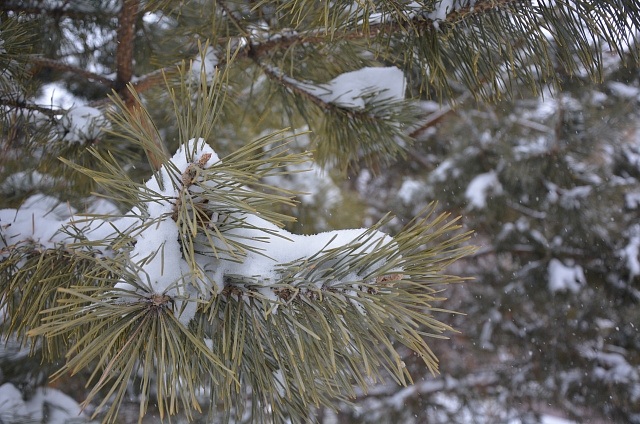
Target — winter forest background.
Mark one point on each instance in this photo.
(538, 152)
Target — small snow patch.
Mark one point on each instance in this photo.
(623, 90)
(481, 187)
(349, 88)
(81, 124)
(565, 278)
(409, 190)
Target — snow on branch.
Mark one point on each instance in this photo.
(203, 255)
(350, 91)
(196, 231)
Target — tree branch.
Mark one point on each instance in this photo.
(257, 50)
(231, 16)
(331, 107)
(55, 12)
(417, 23)
(54, 64)
(30, 106)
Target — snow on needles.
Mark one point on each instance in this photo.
(159, 260)
(81, 124)
(164, 268)
(46, 405)
(158, 252)
(205, 63)
(351, 88)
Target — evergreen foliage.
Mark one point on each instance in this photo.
(142, 235)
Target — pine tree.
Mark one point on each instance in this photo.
(143, 242)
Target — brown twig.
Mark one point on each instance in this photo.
(30, 106)
(54, 64)
(153, 78)
(54, 11)
(231, 16)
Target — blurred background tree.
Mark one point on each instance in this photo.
(521, 116)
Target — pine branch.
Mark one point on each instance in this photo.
(131, 305)
(124, 73)
(153, 79)
(316, 36)
(330, 107)
(55, 12)
(30, 106)
(435, 117)
(417, 24)
(54, 64)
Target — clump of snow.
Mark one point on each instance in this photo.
(481, 187)
(624, 90)
(12, 406)
(351, 88)
(268, 247)
(279, 246)
(445, 170)
(571, 198)
(409, 190)
(82, 125)
(206, 62)
(632, 200)
(598, 97)
(55, 95)
(631, 251)
(440, 12)
(23, 181)
(60, 408)
(612, 367)
(564, 278)
(38, 219)
(158, 253)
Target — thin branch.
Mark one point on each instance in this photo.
(54, 12)
(331, 107)
(54, 64)
(124, 69)
(231, 16)
(431, 120)
(30, 106)
(526, 211)
(153, 78)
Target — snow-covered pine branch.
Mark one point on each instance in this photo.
(199, 253)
